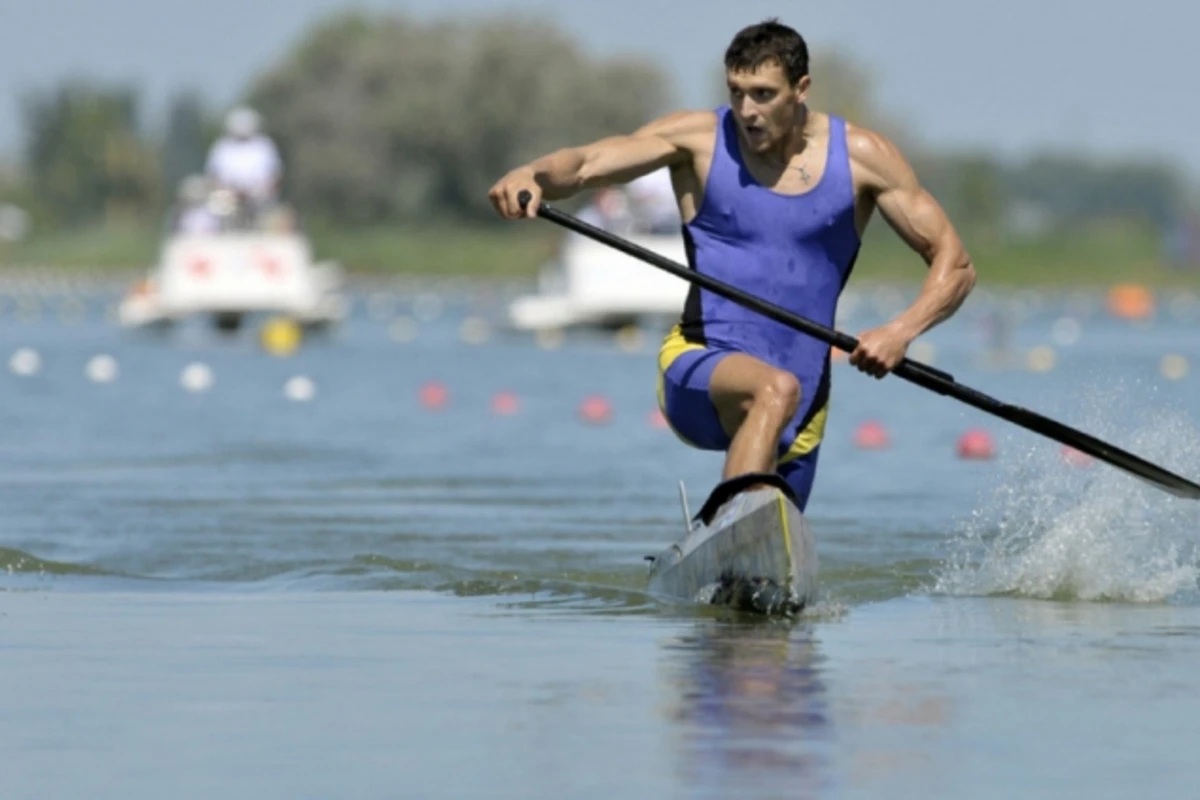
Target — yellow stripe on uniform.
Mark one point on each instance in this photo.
(809, 438)
(674, 345)
(781, 503)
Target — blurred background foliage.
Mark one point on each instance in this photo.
(392, 129)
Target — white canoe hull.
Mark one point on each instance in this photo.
(756, 554)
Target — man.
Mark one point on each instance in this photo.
(245, 160)
(774, 198)
(193, 215)
(653, 198)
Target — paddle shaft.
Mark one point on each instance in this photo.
(913, 371)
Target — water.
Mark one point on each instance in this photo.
(230, 592)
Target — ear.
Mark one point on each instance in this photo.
(802, 88)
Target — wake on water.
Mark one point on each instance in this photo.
(1050, 530)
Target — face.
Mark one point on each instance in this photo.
(765, 104)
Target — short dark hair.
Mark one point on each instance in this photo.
(766, 42)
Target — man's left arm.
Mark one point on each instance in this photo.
(920, 221)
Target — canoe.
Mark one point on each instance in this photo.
(750, 548)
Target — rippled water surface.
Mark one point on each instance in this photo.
(230, 591)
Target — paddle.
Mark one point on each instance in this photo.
(920, 374)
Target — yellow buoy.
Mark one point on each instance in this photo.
(925, 352)
(549, 338)
(1041, 359)
(280, 336)
(630, 339)
(1173, 367)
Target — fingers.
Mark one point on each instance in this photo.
(505, 197)
(535, 199)
(869, 363)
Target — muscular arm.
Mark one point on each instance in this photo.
(615, 159)
(919, 220)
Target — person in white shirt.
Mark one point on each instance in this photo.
(246, 160)
(193, 215)
(654, 204)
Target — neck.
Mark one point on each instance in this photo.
(796, 141)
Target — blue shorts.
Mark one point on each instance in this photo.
(685, 372)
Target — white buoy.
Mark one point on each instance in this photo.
(403, 329)
(299, 389)
(102, 369)
(475, 330)
(381, 306)
(428, 306)
(25, 362)
(1184, 306)
(1066, 331)
(196, 377)
(29, 309)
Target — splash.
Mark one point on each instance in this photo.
(1055, 531)
(17, 562)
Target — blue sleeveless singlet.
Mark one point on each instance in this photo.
(795, 251)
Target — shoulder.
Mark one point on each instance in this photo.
(876, 156)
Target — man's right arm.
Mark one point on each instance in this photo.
(615, 159)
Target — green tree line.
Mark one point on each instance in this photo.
(383, 119)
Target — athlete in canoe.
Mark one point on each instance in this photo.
(774, 198)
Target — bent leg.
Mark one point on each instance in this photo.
(683, 398)
(754, 403)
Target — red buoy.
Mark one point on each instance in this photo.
(1075, 457)
(595, 410)
(434, 395)
(505, 403)
(976, 444)
(871, 436)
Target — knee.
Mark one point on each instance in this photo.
(781, 392)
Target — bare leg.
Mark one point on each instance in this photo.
(754, 402)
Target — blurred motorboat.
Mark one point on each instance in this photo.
(590, 284)
(593, 285)
(231, 267)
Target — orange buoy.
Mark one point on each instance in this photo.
(657, 420)
(1130, 301)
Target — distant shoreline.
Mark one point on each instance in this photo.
(514, 255)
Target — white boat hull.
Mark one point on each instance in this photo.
(756, 553)
(592, 284)
(234, 274)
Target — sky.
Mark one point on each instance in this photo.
(1104, 77)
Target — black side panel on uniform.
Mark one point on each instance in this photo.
(692, 324)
